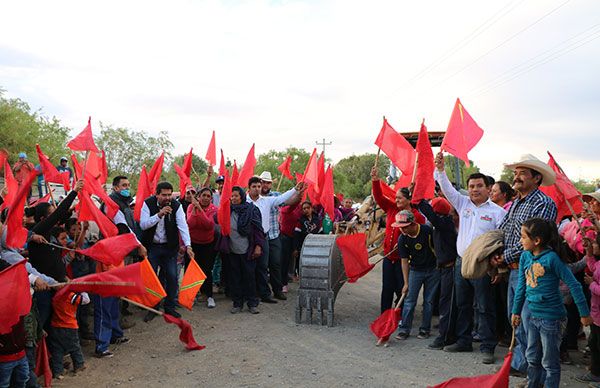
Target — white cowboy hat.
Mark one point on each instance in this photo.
(266, 176)
(530, 161)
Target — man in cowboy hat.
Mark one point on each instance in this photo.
(530, 174)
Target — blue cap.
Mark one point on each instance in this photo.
(23, 155)
(220, 178)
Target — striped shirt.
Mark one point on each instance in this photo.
(535, 205)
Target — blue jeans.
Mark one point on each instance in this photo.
(106, 321)
(480, 291)
(165, 258)
(430, 281)
(392, 282)
(543, 351)
(519, 361)
(18, 370)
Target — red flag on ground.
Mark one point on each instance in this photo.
(11, 184)
(462, 134)
(85, 140)
(153, 289)
(51, 174)
(562, 191)
(386, 323)
(184, 180)
(16, 234)
(355, 256)
(186, 335)
(311, 172)
(424, 183)
(235, 175)
(497, 380)
(211, 152)
(42, 362)
(193, 278)
(247, 169)
(16, 298)
(155, 171)
(89, 212)
(143, 192)
(327, 194)
(284, 168)
(224, 211)
(222, 165)
(396, 147)
(111, 250)
(119, 281)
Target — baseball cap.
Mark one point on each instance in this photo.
(404, 218)
(220, 178)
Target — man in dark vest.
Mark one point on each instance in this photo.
(163, 222)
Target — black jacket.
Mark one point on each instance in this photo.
(170, 224)
(444, 234)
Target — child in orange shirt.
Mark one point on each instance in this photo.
(64, 338)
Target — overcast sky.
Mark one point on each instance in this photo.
(289, 73)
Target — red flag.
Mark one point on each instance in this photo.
(562, 191)
(42, 362)
(155, 171)
(92, 186)
(284, 168)
(16, 298)
(184, 180)
(186, 335)
(311, 173)
(247, 169)
(119, 281)
(235, 175)
(327, 194)
(45, 199)
(387, 191)
(93, 165)
(321, 168)
(103, 169)
(51, 174)
(186, 166)
(143, 192)
(222, 167)
(76, 166)
(396, 147)
(85, 140)
(424, 183)
(211, 153)
(3, 157)
(16, 234)
(11, 184)
(224, 211)
(354, 253)
(497, 380)
(462, 134)
(111, 250)
(89, 212)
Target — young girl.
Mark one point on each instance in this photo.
(540, 270)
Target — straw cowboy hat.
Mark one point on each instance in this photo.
(530, 161)
(589, 196)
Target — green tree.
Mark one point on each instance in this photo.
(507, 175)
(352, 175)
(269, 161)
(585, 186)
(450, 163)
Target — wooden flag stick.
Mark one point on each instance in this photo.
(142, 306)
(197, 175)
(95, 284)
(414, 176)
(87, 153)
(279, 183)
(377, 157)
(387, 255)
(50, 192)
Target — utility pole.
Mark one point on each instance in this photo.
(323, 143)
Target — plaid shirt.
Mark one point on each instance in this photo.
(274, 218)
(535, 205)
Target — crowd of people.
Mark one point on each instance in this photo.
(509, 228)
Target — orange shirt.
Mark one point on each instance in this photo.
(65, 313)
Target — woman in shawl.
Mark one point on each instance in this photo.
(245, 243)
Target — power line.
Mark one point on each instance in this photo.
(501, 44)
(543, 55)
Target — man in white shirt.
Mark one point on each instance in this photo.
(477, 214)
(163, 223)
(268, 264)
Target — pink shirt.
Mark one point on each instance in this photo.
(201, 224)
(594, 267)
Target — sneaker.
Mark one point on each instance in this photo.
(253, 310)
(476, 337)
(437, 344)
(488, 358)
(456, 348)
(120, 341)
(235, 310)
(423, 335)
(104, 354)
(284, 289)
(402, 336)
(210, 302)
(280, 295)
(588, 378)
(59, 376)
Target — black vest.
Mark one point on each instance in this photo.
(170, 224)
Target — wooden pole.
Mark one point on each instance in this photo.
(197, 175)
(414, 176)
(387, 255)
(279, 183)
(50, 192)
(142, 306)
(95, 284)
(87, 153)
(377, 157)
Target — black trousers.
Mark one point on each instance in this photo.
(594, 343)
(242, 280)
(445, 304)
(393, 281)
(205, 257)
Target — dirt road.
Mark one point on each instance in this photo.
(270, 349)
